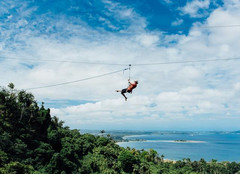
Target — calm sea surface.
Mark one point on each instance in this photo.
(219, 146)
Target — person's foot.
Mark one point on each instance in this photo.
(126, 99)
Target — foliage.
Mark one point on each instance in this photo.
(31, 141)
(15, 168)
(127, 160)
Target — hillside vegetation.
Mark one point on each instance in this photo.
(31, 141)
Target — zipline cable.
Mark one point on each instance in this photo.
(64, 61)
(200, 27)
(129, 69)
(136, 64)
(65, 83)
(187, 61)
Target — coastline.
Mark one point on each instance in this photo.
(205, 146)
(163, 141)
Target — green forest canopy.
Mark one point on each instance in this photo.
(31, 141)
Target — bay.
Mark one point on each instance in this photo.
(222, 146)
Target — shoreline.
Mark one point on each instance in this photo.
(162, 141)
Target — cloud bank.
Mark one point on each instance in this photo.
(201, 96)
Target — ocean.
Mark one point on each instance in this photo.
(221, 146)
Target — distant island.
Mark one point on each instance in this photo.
(236, 132)
(180, 140)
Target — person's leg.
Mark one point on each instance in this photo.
(124, 96)
(122, 92)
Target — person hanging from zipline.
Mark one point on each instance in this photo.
(128, 89)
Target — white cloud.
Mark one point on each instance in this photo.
(224, 17)
(177, 22)
(237, 86)
(168, 1)
(147, 40)
(166, 94)
(184, 104)
(196, 8)
(127, 14)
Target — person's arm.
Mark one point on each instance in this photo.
(130, 82)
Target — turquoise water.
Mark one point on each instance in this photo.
(219, 146)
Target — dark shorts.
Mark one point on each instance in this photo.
(124, 90)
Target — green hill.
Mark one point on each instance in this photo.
(31, 141)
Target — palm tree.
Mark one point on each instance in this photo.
(56, 122)
(162, 156)
(108, 135)
(102, 132)
(153, 154)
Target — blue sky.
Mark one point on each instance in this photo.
(191, 96)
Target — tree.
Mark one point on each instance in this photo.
(102, 132)
(153, 154)
(11, 86)
(127, 160)
(31, 141)
(162, 157)
(109, 136)
(3, 158)
(16, 168)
